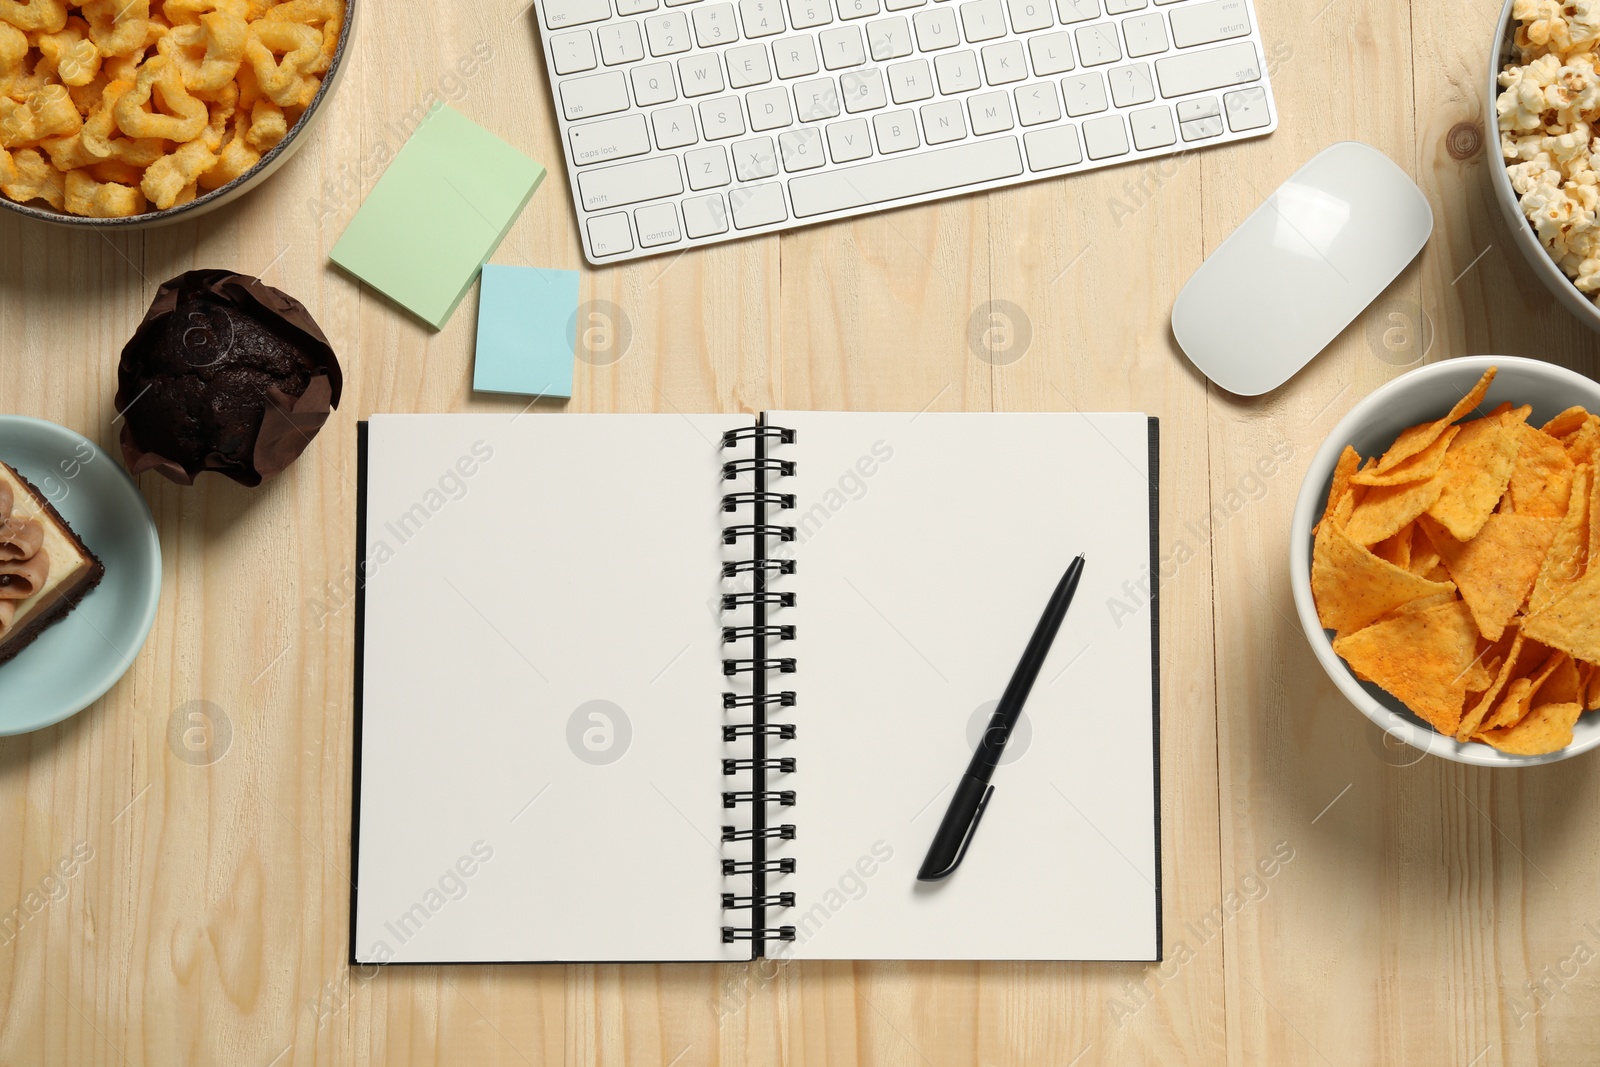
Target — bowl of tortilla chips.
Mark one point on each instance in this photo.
(1445, 559)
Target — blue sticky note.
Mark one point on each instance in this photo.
(527, 329)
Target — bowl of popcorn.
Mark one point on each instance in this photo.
(1544, 76)
(124, 113)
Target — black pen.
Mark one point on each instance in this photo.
(973, 790)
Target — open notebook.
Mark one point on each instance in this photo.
(656, 687)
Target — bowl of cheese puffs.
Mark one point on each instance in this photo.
(127, 113)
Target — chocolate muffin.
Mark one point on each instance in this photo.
(225, 374)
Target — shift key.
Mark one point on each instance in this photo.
(1194, 72)
(629, 183)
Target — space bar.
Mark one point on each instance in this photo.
(905, 176)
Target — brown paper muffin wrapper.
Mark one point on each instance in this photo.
(290, 422)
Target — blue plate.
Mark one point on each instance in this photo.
(76, 661)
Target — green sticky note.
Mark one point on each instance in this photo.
(437, 215)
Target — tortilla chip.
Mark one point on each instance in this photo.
(1349, 463)
(1480, 676)
(1495, 571)
(1592, 702)
(1569, 421)
(1353, 588)
(1417, 438)
(1582, 447)
(1420, 658)
(1563, 685)
(1387, 509)
(1512, 663)
(1476, 473)
(1594, 515)
(1423, 465)
(1569, 552)
(1397, 549)
(1541, 481)
(1519, 695)
(1545, 729)
(1424, 556)
(1571, 622)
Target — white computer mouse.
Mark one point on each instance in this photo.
(1301, 268)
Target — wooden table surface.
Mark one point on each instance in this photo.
(1412, 904)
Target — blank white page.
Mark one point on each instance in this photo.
(927, 548)
(540, 744)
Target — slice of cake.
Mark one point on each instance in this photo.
(44, 568)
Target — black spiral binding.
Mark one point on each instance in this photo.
(759, 533)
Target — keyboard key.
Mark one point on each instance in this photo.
(769, 108)
(1070, 11)
(1037, 103)
(883, 181)
(841, 47)
(1195, 72)
(1219, 20)
(620, 43)
(715, 24)
(1084, 94)
(705, 216)
(1097, 45)
(668, 34)
(991, 113)
(1003, 63)
(943, 122)
(910, 81)
(902, 5)
(858, 9)
(1201, 128)
(795, 56)
(849, 141)
(1201, 107)
(862, 90)
(758, 205)
(572, 52)
(1152, 128)
(653, 84)
(761, 18)
(803, 14)
(1247, 110)
(559, 14)
(658, 225)
(1030, 15)
(618, 138)
(936, 29)
(897, 131)
(721, 118)
(597, 94)
(755, 158)
(707, 167)
(816, 99)
(983, 20)
(1122, 7)
(957, 71)
(680, 3)
(1052, 148)
(1129, 85)
(629, 183)
(609, 235)
(1051, 53)
(889, 38)
(1145, 35)
(701, 74)
(636, 7)
(1106, 137)
(674, 126)
(801, 149)
(747, 65)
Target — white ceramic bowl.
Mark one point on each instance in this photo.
(1522, 235)
(270, 162)
(1424, 394)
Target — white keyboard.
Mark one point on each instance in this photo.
(688, 122)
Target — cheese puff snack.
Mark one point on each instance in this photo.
(111, 108)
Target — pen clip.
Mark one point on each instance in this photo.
(972, 828)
